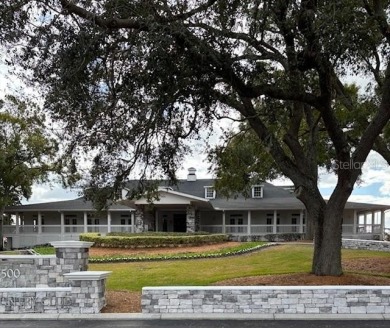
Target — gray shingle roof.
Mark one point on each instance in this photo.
(274, 198)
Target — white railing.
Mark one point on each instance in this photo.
(258, 229)
(236, 229)
(261, 229)
(121, 228)
(97, 228)
(51, 229)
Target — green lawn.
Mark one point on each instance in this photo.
(274, 260)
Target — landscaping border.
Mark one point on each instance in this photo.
(179, 257)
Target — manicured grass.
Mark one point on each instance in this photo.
(45, 250)
(275, 260)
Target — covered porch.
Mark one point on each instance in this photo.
(43, 223)
(357, 223)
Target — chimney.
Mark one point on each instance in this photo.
(191, 174)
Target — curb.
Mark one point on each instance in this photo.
(190, 316)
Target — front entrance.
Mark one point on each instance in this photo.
(179, 222)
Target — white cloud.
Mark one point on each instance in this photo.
(45, 193)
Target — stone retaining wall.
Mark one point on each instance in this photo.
(267, 300)
(52, 284)
(372, 245)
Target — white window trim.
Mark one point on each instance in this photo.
(205, 192)
(253, 191)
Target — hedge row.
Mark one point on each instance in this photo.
(152, 241)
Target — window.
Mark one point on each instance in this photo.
(209, 192)
(257, 191)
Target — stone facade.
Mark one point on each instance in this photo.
(52, 284)
(268, 300)
(139, 221)
(372, 245)
(191, 219)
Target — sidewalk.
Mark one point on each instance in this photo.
(192, 316)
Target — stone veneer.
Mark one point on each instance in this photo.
(268, 300)
(372, 245)
(52, 284)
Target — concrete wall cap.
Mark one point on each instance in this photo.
(87, 275)
(71, 244)
(34, 289)
(335, 287)
(26, 257)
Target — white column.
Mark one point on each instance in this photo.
(249, 223)
(365, 222)
(274, 230)
(132, 222)
(223, 222)
(108, 221)
(62, 223)
(382, 225)
(301, 222)
(85, 222)
(17, 223)
(39, 222)
(355, 222)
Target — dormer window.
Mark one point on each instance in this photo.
(257, 191)
(209, 192)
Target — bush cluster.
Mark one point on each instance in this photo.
(284, 237)
(141, 240)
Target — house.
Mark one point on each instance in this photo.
(192, 205)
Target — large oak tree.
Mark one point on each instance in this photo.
(26, 152)
(133, 79)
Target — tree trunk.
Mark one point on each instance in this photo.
(327, 241)
(1, 228)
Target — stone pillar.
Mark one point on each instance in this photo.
(190, 219)
(72, 255)
(139, 221)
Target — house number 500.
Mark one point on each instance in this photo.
(9, 273)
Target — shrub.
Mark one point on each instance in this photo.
(291, 236)
(142, 240)
(270, 237)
